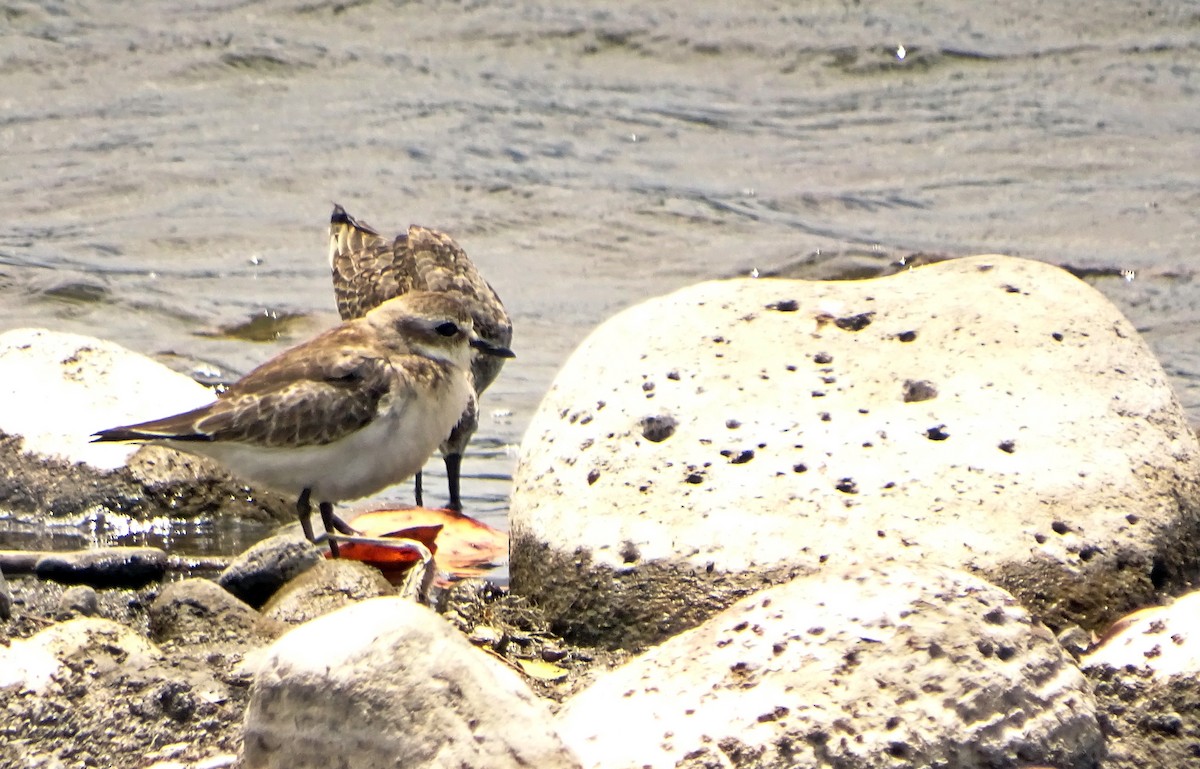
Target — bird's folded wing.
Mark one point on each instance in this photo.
(301, 401)
(290, 401)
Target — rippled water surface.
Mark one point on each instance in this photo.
(168, 169)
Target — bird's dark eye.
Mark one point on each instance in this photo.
(446, 329)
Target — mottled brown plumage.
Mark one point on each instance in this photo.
(296, 399)
(368, 269)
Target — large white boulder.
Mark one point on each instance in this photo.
(387, 682)
(864, 667)
(989, 413)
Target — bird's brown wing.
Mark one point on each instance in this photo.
(362, 262)
(309, 395)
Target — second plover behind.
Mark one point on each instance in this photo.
(369, 269)
(343, 415)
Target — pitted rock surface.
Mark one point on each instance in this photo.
(387, 682)
(1165, 640)
(989, 413)
(1146, 674)
(323, 588)
(865, 667)
(196, 612)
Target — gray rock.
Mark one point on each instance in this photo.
(386, 682)
(988, 413)
(79, 599)
(92, 692)
(325, 587)
(62, 388)
(1150, 723)
(104, 566)
(866, 667)
(257, 573)
(199, 612)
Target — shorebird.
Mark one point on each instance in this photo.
(343, 415)
(369, 269)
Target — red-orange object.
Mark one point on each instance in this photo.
(464, 546)
(398, 557)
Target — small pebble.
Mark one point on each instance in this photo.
(551, 654)
(80, 599)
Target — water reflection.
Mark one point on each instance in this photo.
(220, 536)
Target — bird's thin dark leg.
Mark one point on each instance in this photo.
(327, 518)
(417, 489)
(303, 510)
(342, 526)
(453, 464)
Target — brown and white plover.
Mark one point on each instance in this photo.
(343, 415)
(369, 269)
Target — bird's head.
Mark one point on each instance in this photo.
(432, 324)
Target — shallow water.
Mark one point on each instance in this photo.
(168, 169)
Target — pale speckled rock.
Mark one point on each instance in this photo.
(56, 389)
(325, 587)
(864, 667)
(990, 413)
(200, 612)
(34, 664)
(93, 692)
(387, 682)
(1165, 640)
(40, 367)
(1146, 675)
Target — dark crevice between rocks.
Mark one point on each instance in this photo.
(629, 608)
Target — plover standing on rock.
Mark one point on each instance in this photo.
(343, 415)
(369, 269)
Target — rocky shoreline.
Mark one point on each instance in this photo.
(756, 523)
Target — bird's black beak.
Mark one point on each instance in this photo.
(487, 348)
